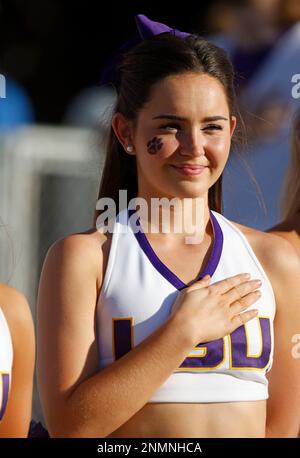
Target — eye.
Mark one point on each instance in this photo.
(170, 126)
(213, 127)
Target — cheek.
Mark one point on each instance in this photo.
(219, 148)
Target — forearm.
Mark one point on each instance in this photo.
(104, 402)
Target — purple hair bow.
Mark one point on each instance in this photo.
(146, 29)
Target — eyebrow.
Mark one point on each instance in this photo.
(179, 118)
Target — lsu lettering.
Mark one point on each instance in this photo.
(207, 355)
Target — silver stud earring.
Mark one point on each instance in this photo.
(129, 148)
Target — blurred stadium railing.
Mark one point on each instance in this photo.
(49, 179)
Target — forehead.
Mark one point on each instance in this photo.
(188, 93)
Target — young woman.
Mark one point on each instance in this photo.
(17, 358)
(147, 335)
(289, 228)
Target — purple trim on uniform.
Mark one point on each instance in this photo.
(122, 337)
(214, 259)
(5, 391)
(209, 268)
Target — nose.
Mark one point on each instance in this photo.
(193, 143)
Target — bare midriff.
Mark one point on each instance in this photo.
(225, 419)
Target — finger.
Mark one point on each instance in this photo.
(205, 281)
(243, 303)
(242, 318)
(223, 286)
(241, 290)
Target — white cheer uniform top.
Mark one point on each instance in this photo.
(6, 360)
(137, 294)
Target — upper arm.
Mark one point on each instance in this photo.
(283, 406)
(67, 348)
(16, 420)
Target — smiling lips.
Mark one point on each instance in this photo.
(190, 169)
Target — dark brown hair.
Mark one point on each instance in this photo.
(142, 67)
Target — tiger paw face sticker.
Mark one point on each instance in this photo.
(154, 145)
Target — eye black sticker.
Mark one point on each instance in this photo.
(154, 145)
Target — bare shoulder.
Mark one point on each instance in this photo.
(16, 310)
(78, 243)
(293, 237)
(276, 254)
(289, 230)
(270, 248)
(88, 250)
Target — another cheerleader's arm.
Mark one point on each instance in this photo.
(17, 415)
(283, 405)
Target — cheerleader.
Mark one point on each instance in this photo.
(17, 358)
(141, 333)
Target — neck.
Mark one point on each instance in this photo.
(188, 220)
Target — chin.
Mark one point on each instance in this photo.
(179, 194)
(191, 190)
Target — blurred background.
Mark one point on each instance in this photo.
(53, 113)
